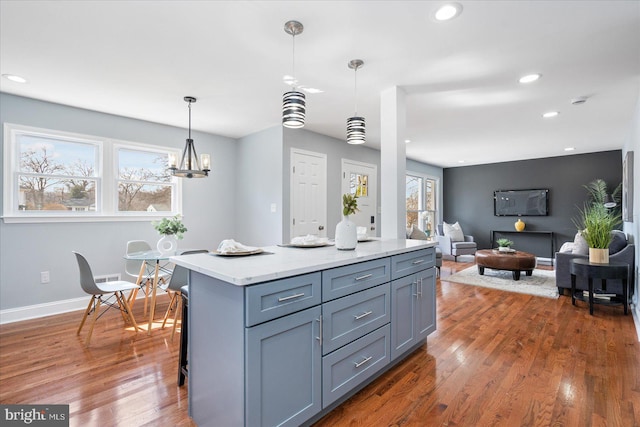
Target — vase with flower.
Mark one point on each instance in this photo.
(346, 236)
(172, 230)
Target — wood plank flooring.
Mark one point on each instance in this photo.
(496, 359)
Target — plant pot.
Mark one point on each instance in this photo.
(346, 236)
(519, 225)
(504, 249)
(599, 256)
(168, 244)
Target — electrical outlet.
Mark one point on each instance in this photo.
(44, 277)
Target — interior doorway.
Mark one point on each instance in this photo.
(361, 179)
(308, 193)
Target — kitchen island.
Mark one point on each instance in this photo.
(285, 336)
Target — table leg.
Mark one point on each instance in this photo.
(625, 294)
(573, 289)
(134, 292)
(590, 295)
(152, 309)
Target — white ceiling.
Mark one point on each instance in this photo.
(140, 58)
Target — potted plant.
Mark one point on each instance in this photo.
(504, 245)
(596, 222)
(171, 229)
(346, 236)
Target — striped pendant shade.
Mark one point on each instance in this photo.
(293, 109)
(355, 130)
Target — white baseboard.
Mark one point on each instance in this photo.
(41, 310)
(47, 309)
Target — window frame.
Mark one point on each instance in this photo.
(422, 208)
(106, 179)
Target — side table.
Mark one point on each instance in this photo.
(613, 270)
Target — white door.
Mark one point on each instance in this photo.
(362, 179)
(308, 193)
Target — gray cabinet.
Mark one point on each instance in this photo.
(283, 362)
(284, 352)
(413, 310)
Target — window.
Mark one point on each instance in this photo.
(52, 175)
(421, 202)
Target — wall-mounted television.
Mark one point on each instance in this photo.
(521, 202)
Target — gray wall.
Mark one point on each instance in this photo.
(27, 249)
(336, 150)
(633, 228)
(259, 177)
(468, 194)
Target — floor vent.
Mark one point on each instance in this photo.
(107, 277)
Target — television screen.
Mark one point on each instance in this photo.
(521, 202)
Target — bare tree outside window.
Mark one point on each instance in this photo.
(144, 182)
(51, 170)
(60, 174)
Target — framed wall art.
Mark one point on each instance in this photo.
(627, 187)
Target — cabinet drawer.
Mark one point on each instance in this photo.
(412, 262)
(346, 280)
(281, 297)
(348, 318)
(352, 364)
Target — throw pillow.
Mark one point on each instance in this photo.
(453, 231)
(618, 242)
(580, 246)
(417, 234)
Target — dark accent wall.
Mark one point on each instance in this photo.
(468, 195)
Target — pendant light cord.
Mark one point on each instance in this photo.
(189, 119)
(293, 61)
(355, 90)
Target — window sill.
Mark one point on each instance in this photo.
(32, 219)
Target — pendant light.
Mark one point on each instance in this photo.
(355, 124)
(189, 164)
(293, 102)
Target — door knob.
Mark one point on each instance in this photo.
(321, 227)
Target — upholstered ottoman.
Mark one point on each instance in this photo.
(510, 261)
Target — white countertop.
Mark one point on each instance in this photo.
(277, 262)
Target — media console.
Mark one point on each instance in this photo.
(544, 234)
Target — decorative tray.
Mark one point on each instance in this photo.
(242, 253)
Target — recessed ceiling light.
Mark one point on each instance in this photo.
(460, 161)
(579, 100)
(14, 78)
(550, 114)
(569, 148)
(406, 141)
(447, 11)
(529, 78)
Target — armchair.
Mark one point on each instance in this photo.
(455, 245)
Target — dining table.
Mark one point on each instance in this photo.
(158, 261)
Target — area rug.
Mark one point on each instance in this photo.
(542, 283)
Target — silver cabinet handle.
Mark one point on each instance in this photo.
(418, 261)
(281, 299)
(415, 283)
(366, 276)
(420, 288)
(365, 314)
(319, 338)
(358, 364)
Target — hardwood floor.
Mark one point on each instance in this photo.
(496, 358)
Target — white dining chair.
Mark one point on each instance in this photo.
(143, 270)
(98, 291)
